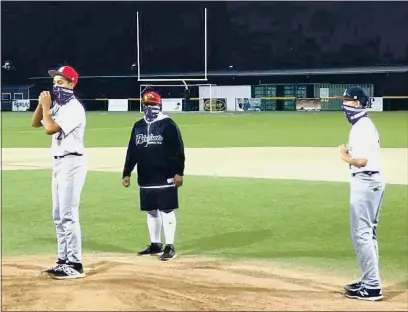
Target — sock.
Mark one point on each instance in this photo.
(169, 226)
(154, 223)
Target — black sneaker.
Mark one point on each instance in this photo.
(69, 271)
(154, 249)
(56, 266)
(169, 253)
(365, 294)
(353, 287)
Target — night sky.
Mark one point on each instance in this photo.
(99, 38)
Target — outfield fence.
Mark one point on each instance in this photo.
(216, 104)
(217, 98)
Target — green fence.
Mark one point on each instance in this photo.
(265, 91)
(329, 90)
(283, 96)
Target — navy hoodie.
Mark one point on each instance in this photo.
(158, 151)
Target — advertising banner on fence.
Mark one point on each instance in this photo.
(172, 105)
(247, 104)
(225, 93)
(375, 104)
(118, 105)
(21, 105)
(215, 105)
(308, 104)
(324, 94)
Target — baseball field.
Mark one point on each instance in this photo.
(263, 222)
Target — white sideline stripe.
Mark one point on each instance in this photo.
(107, 128)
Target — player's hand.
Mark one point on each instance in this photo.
(178, 180)
(45, 99)
(126, 181)
(343, 149)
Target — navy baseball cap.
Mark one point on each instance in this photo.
(356, 94)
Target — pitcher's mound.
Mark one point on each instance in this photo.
(130, 283)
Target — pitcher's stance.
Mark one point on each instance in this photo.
(156, 146)
(366, 192)
(65, 121)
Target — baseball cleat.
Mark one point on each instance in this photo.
(169, 253)
(353, 287)
(68, 271)
(49, 271)
(154, 249)
(365, 294)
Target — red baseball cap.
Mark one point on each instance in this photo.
(151, 98)
(67, 72)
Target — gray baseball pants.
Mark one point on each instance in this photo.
(366, 197)
(69, 174)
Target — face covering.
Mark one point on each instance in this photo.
(62, 95)
(151, 112)
(354, 114)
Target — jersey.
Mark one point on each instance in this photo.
(72, 120)
(364, 143)
(158, 150)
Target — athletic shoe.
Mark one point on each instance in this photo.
(353, 287)
(69, 271)
(365, 294)
(154, 249)
(169, 253)
(56, 266)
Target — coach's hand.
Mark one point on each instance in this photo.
(178, 180)
(126, 181)
(45, 99)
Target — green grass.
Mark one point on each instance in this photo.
(220, 130)
(289, 221)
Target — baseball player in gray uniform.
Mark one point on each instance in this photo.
(63, 117)
(366, 192)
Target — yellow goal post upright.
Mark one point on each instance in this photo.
(205, 103)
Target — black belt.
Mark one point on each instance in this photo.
(70, 154)
(365, 172)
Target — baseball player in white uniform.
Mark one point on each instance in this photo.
(366, 192)
(63, 117)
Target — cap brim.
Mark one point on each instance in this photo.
(344, 98)
(53, 72)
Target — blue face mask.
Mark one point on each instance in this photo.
(62, 95)
(354, 114)
(151, 112)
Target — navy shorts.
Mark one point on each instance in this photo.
(158, 198)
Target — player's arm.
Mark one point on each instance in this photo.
(131, 159)
(69, 118)
(357, 162)
(37, 117)
(360, 152)
(49, 124)
(175, 144)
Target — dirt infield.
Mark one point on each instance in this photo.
(129, 283)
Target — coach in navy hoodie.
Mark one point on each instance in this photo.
(156, 147)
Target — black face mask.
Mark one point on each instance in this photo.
(62, 95)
